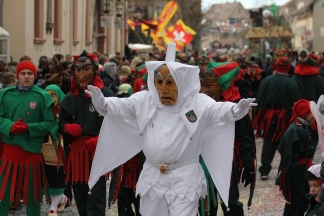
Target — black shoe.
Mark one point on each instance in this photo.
(264, 177)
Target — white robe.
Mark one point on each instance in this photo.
(165, 137)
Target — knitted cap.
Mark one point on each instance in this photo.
(283, 65)
(26, 65)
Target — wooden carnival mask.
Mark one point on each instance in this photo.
(166, 86)
(84, 71)
(209, 84)
(54, 96)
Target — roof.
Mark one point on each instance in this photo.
(269, 32)
(221, 11)
(307, 3)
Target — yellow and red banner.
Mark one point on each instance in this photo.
(143, 26)
(179, 33)
(167, 13)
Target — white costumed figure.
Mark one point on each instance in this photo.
(173, 124)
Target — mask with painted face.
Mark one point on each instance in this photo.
(83, 69)
(210, 85)
(165, 85)
(54, 96)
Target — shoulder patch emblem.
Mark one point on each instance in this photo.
(32, 105)
(91, 108)
(191, 116)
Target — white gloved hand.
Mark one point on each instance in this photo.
(243, 105)
(96, 95)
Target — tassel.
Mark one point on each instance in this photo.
(20, 180)
(14, 181)
(26, 184)
(5, 180)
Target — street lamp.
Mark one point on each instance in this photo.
(107, 6)
(119, 8)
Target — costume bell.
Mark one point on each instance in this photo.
(173, 124)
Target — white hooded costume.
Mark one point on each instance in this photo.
(166, 134)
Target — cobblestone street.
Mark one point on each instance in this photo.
(266, 201)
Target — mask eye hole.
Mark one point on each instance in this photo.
(159, 81)
(169, 82)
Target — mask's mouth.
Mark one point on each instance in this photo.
(167, 98)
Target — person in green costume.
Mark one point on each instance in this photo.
(217, 83)
(312, 176)
(56, 177)
(297, 148)
(310, 82)
(80, 124)
(276, 96)
(26, 115)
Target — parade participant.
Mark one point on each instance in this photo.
(140, 83)
(217, 82)
(68, 57)
(312, 176)
(59, 77)
(310, 83)
(123, 183)
(202, 62)
(8, 79)
(276, 96)
(80, 124)
(253, 75)
(297, 149)
(26, 115)
(292, 57)
(173, 124)
(107, 75)
(278, 52)
(56, 176)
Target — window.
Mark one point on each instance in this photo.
(87, 21)
(75, 22)
(58, 22)
(38, 33)
(300, 5)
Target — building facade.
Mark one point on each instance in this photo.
(48, 27)
(318, 13)
(224, 24)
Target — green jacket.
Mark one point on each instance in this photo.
(299, 142)
(315, 210)
(35, 107)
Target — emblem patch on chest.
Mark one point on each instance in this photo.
(191, 116)
(32, 105)
(91, 108)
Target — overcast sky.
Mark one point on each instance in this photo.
(246, 3)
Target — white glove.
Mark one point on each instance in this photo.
(243, 105)
(96, 95)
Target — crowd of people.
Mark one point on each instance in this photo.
(66, 100)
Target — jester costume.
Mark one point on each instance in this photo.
(276, 96)
(297, 149)
(310, 83)
(244, 156)
(78, 111)
(21, 164)
(278, 53)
